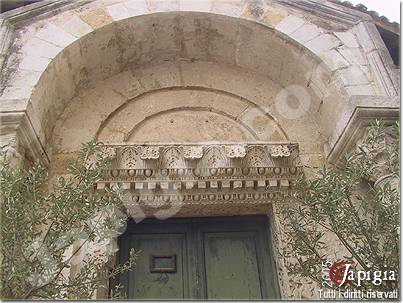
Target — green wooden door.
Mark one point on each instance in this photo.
(148, 284)
(214, 258)
(232, 270)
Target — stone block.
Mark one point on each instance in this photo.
(202, 184)
(273, 17)
(136, 7)
(261, 183)
(16, 93)
(347, 38)
(213, 184)
(10, 105)
(118, 11)
(163, 5)
(55, 35)
(164, 185)
(323, 43)
(126, 185)
(334, 60)
(75, 26)
(284, 183)
(100, 186)
(152, 185)
(370, 38)
(273, 183)
(177, 185)
(226, 184)
(290, 24)
(96, 18)
(363, 89)
(232, 8)
(352, 75)
(320, 79)
(249, 184)
(39, 48)
(36, 64)
(306, 33)
(138, 185)
(352, 55)
(189, 184)
(195, 5)
(26, 78)
(237, 184)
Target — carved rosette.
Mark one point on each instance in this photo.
(280, 151)
(150, 152)
(192, 152)
(235, 151)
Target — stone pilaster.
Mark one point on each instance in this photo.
(19, 141)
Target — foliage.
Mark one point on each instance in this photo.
(346, 204)
(45, 226)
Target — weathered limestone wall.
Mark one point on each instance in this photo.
(226, 108)
(192, 71)
(58, 51)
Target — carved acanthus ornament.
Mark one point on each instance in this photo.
(157, 174)
(380, 152)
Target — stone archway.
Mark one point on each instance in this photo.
(120, 73)
(215, 100)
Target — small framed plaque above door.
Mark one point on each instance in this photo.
(163, 263)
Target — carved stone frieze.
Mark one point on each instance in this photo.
(203, 199)
(192, 152)
(203, 155)
(129, 157)
(381, 152)
(235, 151)
(279, 151)
(149, 152)
(223, 173)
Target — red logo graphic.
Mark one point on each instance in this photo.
(338, 272)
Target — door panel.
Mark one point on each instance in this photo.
(231, 266)
(216, 258)
(161, 268)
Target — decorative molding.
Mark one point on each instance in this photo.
(216, 173)
(235, 151)
(149, 152)
(192, 152)
(328, 11)
(379, 58)
(24, 14)
(381, 20)
(280, 151)
(361, 118)
(11, 20)
(18, 125)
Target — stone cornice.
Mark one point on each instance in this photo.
(380, 20)
(24, 14)
(328, 11)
